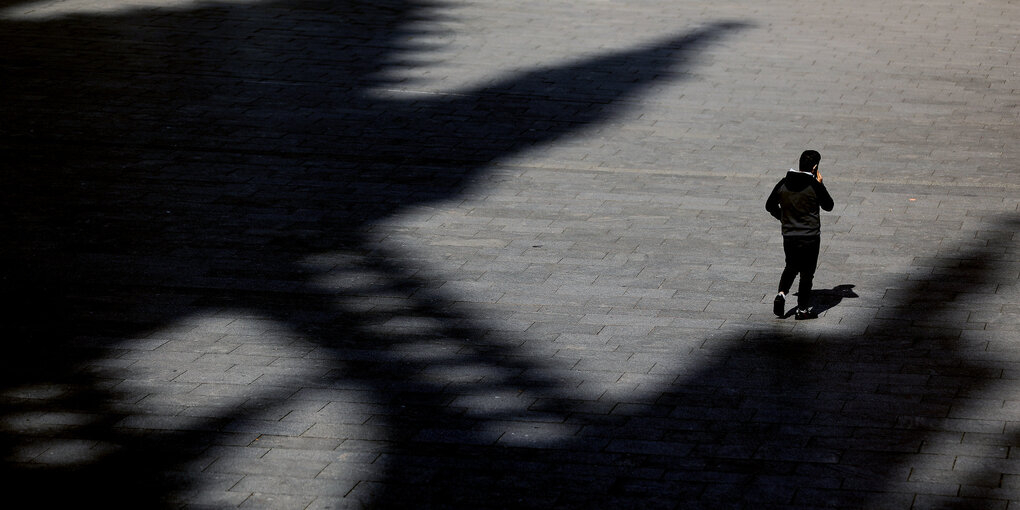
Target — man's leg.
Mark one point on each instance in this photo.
(808, 261)
(786, 280)
(790, 271)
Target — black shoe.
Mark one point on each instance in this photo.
(806, 314)
(778, 305)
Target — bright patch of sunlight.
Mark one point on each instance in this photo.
(49, 9)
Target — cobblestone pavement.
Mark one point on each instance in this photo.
(489, 254)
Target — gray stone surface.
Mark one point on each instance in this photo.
(409, 254)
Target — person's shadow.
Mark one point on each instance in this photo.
(824, 299)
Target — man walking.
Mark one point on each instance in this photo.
(795, 201)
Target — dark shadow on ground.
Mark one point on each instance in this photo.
(161, 165)
(777, 421)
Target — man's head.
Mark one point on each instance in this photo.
(809, 161)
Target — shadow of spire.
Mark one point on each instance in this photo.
(163, 164)
(157, 180)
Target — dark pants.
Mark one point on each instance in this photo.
(801, 258)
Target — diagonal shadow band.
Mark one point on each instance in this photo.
(779, 420)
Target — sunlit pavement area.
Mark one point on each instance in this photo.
(491, 254)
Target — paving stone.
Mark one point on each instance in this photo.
(260, 500)
(408, 254)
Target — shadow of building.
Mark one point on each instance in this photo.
(162, 164)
